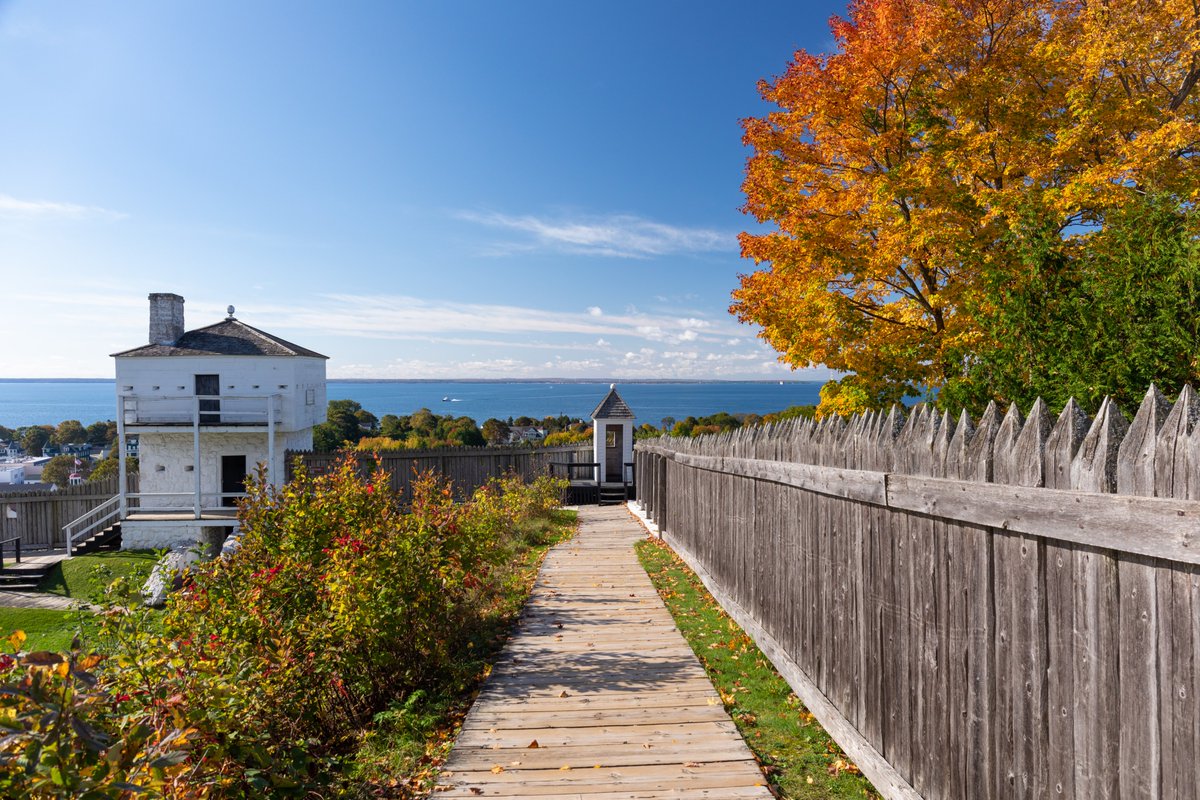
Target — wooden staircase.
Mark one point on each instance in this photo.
(107, 540)
(612, 494)
(28, 575)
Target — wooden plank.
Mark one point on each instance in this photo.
(1170, 528)
(612, 703)
(883, 775)
(839, 482)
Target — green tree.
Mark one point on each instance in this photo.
(35, 437)
(393, 427)
(110, 468)
(423, 422)
(1104, 313)
(58, 469)
(69, 431)
(342, 424)
(102, 434)
(495, 431)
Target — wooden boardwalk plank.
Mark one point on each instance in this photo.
(600, 678)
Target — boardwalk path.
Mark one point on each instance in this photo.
(600, 678)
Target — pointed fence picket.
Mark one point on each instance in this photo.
(1006, 607)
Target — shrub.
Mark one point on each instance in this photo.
(257, 677)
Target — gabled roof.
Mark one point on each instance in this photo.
(227, 338)
(612, 407)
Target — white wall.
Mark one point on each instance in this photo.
(250, 376)
(599, 448)
(175, 453)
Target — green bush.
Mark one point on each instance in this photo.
(262, 670)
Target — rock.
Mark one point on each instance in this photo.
(166, 574)
(231, 545)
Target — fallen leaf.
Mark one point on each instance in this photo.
(692, 764)
(497, 769)
(564, 693)
(565, 768)
(533, 744)
(476, 790)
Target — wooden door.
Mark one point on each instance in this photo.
(233, 478)
(614, 449)
(210, 409)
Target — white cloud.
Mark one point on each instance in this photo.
(595, 311)
(44, 209)
(614, 235)
(602, 342)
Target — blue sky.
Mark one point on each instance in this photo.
(418, 190)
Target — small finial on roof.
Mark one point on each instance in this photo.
(230, 311)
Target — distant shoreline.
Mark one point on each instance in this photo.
(472, 380)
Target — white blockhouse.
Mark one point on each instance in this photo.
(207, 406)
(612, 438)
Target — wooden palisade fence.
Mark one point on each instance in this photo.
(38, 516)
(1000, 608)
(468, 468)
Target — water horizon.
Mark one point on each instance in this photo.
(48, 401)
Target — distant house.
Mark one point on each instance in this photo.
(12, 473)
(131, 446)
(520, 434)
(50, 450)
(13, 449)
(207, 406)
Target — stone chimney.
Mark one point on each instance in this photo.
(166, 318)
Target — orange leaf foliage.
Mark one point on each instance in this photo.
(896, 166)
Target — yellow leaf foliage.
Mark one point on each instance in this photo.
(893, 168)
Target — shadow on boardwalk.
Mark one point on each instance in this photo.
(597, 696)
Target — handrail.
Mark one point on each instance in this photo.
(3, 542)
(112, 503)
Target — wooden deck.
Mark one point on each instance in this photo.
(597, 696)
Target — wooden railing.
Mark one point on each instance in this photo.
(1001, 608)
(39, 517)
(467, 467)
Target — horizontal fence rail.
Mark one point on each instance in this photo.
(1006, 607)
(39, 517)
(468, 468)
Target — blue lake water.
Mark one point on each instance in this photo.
(49, 402)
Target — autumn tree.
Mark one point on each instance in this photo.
(58, 470)
(895, 174)
(495, 431)
(69, 431)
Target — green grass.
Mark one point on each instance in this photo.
(85, 577)
(45, 628)
(400, 755)
(798, 756)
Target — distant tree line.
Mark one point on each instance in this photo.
(720, 422)
(33, 438)
(58, 470)
(349, 425)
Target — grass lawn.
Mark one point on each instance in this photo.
(85, 577)
(45, 628)
(82, 578)
(800, 759)
(400, 756)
